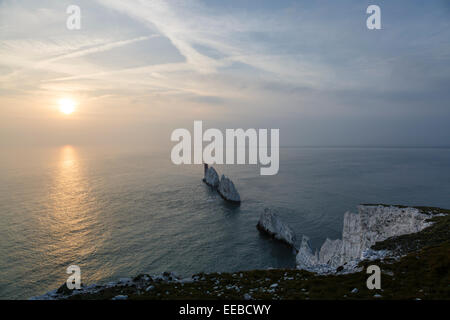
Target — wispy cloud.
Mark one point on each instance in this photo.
(283, 59)
(97, 49)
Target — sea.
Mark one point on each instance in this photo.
(118, 212)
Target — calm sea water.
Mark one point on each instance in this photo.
(119, 213)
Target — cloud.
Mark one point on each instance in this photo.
(97, 49)
(252, 61)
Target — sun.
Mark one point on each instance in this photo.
(67, 106)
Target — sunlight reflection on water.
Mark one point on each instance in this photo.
(117, 213)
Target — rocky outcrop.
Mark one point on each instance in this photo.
(329, 252)
(211, 177)
(111, 290)
(305, 256)
(374, 223)
(270, 223)
(225, 187)
(228, 191)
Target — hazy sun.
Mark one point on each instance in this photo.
(66, 106)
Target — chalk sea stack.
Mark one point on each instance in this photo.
(271, 224)
(225, 187)
(228, 191)
(211, 177)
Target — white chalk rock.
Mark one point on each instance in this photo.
(305, 258)
(330, 252)
(211, 177)
(374, 223)
(270, 223)
(228, 191)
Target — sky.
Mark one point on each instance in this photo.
(138, 70)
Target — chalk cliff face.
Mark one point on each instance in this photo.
(270, 223)
(228, 191)
(361, 231)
